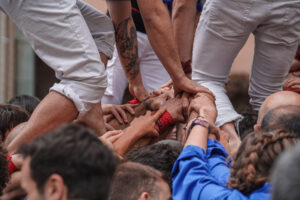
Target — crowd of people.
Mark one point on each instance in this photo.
(179, 137)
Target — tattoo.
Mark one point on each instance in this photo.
(126, 40)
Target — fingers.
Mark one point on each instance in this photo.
(109, 127)
(115, 137)
(117, 115)
(122, 113)
(185, 104)
(130, 109)
(297, 73)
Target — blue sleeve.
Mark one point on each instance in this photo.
(192, 179)
(217, 161)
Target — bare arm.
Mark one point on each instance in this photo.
(126, 41)
(183, 19)
(159, 30)
(140, 127)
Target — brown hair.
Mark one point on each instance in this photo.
(132, 179)
(253, 161)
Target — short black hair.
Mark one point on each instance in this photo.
(26, 101)
(285, 118)
(11, 116)
(160, 156)
(75, 153)
(285, 176)
(4, 176)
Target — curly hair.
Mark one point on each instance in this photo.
(253, 161)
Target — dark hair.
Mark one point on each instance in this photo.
(285, 175)
(132, 179)
(11, 116)
(4, 176)
(75, 153)
(284, 118)
(26, 101)
(253, 161)
(160, 156)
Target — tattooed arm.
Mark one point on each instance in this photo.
(126, 41)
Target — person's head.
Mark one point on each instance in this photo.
(254, 159)
(285, 176)
(4, 176)
(277, 99)
(134, 181)
(160, 156)
(11, 116)
(67, 163)
(26, 101)
(285, 118)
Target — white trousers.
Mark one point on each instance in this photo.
(222, 31)
(153, 73)
(67, 35)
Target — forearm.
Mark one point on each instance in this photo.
(184, 11)
(126, 39)
(198, 134)
(127, 140)
(159, 30)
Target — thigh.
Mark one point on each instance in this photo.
(59, 35)
(100, 26)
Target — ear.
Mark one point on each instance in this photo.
(55, 188)
(144, 196)
(256, 127)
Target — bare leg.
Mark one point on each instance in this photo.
(53, 110)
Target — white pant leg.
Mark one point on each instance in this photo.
(117, 81)
(153, 72)
(59, 35)
(220, 35)
(276, 42)
(100, 26)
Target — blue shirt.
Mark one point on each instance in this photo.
(198, 175)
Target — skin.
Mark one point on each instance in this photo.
(126, 41)
(46, 117)
(139, 127)
(184, 11)
(54, 188)
(159, 30)
(277, 99)
(164, 192)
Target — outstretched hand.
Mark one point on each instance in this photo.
(117, 111)
(146, 124)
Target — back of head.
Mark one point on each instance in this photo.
(285, 118)
(132, 179)
(285, 175)
(160, 156)
(277, 99)
(4, 176)
(85, 164)
(11, 116)
(26, 101)
(255, 157)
